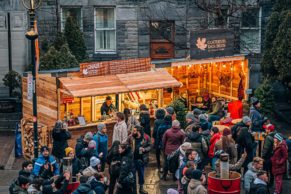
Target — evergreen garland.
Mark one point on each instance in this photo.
(266, 96)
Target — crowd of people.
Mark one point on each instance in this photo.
(181, 154)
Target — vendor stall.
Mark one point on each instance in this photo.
(77, 97)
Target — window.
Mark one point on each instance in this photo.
(215, 21)
(250, 36)
(105, 30)
(162, 30)
(74, 12)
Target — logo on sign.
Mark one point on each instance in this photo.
(201, 43)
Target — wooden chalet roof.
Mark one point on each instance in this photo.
(120, 83)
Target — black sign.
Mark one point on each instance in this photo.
(211, 43)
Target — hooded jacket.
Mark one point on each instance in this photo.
(196, 187)
(172, 140)
(250, 176)
(198, 144)
(259, 187)
(279, 159)
(84, 188)
(257, 119)
(101, 145)
(212, 142)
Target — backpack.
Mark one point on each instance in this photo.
(173, 161)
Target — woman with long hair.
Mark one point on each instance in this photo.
(114, 162)
(227, 144)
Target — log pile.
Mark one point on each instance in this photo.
(27, 137)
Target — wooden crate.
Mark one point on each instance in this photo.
(28, 135)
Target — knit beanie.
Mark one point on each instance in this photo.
(170, 110)
(226, 132)
(88, 136)
(94, 161)
(246, 119)
(269, 127)
(202, 117)
(92, 144)
(190, 115)
(196, 174)
(197, 112)
(172, 191)
(175, 124)
(68, 150)
(254, 101)
(279, 137)
(100, 126)
(44, 148)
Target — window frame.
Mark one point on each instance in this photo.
(173, 32)
(102, 29)
(258, 29)
(71, 7)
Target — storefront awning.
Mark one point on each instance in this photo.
(121, 83)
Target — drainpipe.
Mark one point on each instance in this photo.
(9, 48)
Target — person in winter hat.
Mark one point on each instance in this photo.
(77, 167)
(45, 165)
(160, 115)
(279, 161)
(171, 111)
(101, 140)
(172, 139)
(84, 186)
(172, 191)
(251, 174)
(93, 168)
(190, 119)
(257, 118)
(81, 148)
(195, 185)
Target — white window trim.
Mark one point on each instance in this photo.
(259, 28)
(63, 22)
(100, 29)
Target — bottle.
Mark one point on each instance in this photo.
(104, 115)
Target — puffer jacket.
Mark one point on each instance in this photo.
(16, 189)
(198, 144)
(250, 176)
(267, 151)
(279, 159)
(196, 187)
(213, 140)
(101, 144)
(172, 140)
(39, 163)
(257, 119)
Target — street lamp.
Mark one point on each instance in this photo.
(31, 34)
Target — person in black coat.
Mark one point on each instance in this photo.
(99, 183)
(245, 142)
(145, 119)
(126, 178)
(160, 114)
(114, 162)
(49, 186)
(84, 187)
(60, 136)
(81, 149)
(76, 163)
(26, 170)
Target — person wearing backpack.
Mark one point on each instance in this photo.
(114, 162)
(19, 186)
(101, 140)
(126, 178)
(172, 139)
(145, 119)
(141, 146)
(160, 114)
(198, 144)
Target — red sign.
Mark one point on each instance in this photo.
(66, 98)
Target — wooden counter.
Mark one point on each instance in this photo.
(77, 131)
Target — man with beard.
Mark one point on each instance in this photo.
(26, 170)
(45, 166)
(141, 145)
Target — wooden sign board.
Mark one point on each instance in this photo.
(66, 98)
(115, 67)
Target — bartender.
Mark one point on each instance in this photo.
(107, 106)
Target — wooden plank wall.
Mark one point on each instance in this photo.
(47, 101)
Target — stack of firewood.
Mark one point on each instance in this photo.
(27, 133)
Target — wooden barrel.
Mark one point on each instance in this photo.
(224, 186)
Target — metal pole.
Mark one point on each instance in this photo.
(9, 48)
(34, 99)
